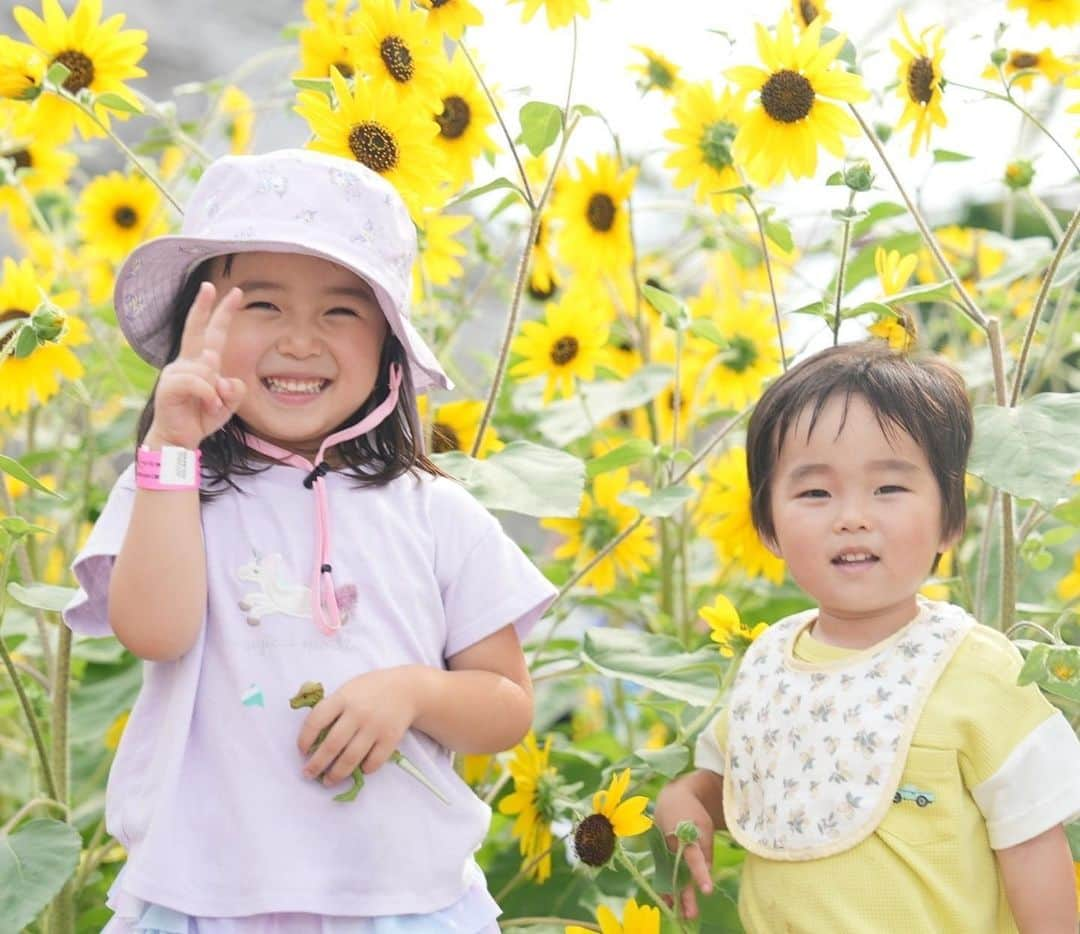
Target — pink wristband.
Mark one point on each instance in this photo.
(171, 468)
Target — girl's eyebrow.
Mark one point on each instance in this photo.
(363, 293)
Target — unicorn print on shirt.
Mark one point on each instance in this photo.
(277, 595)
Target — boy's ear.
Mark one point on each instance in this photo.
(771, 544)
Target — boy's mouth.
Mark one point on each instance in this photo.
(295, 387)
(855, 559)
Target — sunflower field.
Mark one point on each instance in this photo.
(610, 314)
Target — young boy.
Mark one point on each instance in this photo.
(877, 759)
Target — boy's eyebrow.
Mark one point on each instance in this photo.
(269, 285)
(889, 463)
(806, 470)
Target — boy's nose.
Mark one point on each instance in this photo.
(851, 517)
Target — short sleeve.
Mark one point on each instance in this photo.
(88, 611)
(486, 581)
(1019, 756)
(709, 750)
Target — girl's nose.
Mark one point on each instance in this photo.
(299, 341)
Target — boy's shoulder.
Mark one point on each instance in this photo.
(987, 650)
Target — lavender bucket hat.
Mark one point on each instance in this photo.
(288, 201)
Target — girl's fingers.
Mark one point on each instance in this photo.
(330, 748)
(232, 392)
(218, 328)
(689, 902)
(191, 342)
(699, 868)
(356, 752)
(377, 756)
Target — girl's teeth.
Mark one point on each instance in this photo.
(295, 385)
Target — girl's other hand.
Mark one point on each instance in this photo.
(193, 399)
(366, 717)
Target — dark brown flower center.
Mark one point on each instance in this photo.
(374, 146)
(454, 120)
(21, 158)
(397, 58)
(594, 840)
(347, 70)
(1022, 60)
(808, 11)
(10, 315)
(435, 4)
(81, 68)
(920, 80)
(444, 438)
(125, 216)
(601, 212)
(564, 350)
(787, 96)
(542, 293)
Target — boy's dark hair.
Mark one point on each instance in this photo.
(392, 448)
(923, 396)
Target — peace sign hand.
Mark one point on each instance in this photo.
(193, 399)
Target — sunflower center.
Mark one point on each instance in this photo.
(435, 4)
(599, 528)
(444, 438)
(125, 216)
(1022, 60)
(454, 120)
(21, 158)
(600, 212)
(374, 146)
(920, 80)
(594, 840)
(564, 350)
(81, 68)
(716, 143)
(787, 96)
(397, 58)
(741, 354)
(808, 11)
(10, 315)
(347, 70)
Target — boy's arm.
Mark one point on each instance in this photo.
(1040, 883)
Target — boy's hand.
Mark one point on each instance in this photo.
(677, 803)
(365, 720)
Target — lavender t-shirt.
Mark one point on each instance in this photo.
(206, 791)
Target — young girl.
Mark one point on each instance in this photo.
(877, 759)
(282, 525)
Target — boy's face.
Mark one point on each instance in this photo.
(857, 515)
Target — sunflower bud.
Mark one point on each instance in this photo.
(999, 57)
(857, 176)
(48, 322)
(1018, 174)
(686, 831)
(594, 840)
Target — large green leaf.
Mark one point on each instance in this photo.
(540, 125)
(35, 862)
(11, 466)
(42, 596)
(656, 662)
(669, 761)
(1054, 668)
(95, 706)
(522, 477)
(1031, 451)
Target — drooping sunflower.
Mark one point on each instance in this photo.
(454, 426)
(559, 12)
(595, 836)
(463, 115)
(601, 517)
(543, 279)
(567, 345)
(100, 55)
(727, 630)
(791, 117)
(452, 16)
(33, 380)
(402, 55)
(532, 800)
(40, 159)
(326, 39)
(807, 11)
(655, 72)
(707, 124)
(372, 129)
(637, 919)
(920, 80)
(1022, 68)
(21, 68)
(438, 260)
(117, 212)
(1052, 12)
(725, 518)
(595, 233)
(239, 113)
(1069, 586)
(893, 270)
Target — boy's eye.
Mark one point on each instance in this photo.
(813, 494)
(892, 488)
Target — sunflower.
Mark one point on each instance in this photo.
(476, 766)
(920, 81)
(791, 117)
(438, 261)
(372, 129)
(968, 251)
(725, 516)
(656, 72)
(33, 380)
(706, 127)
(595, 233)
(117, 212)
(1074, 83)
(691, 365)
(937, 588)
(566, 345)
(326, 41)
(101, 56)
(40, 160)
(1052, 12)
(21, 69)
(454, 427)
(1022, 68)
(463, 115)
(559, 12)
(533, 801)
(727, 629)
(543, 282)
(452, 16)
(807, 11)
(596, 836)
(600, 519)
(116, 730)
(643, 919)
(402, 55)
(1068, 588)
(236, 107)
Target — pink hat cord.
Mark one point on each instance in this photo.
(322, 585)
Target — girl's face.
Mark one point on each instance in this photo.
(857, 515)
(306, 341)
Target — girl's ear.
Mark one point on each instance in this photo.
(949, 541)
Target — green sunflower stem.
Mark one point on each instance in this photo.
(1007, 611)
(646, 887)
(769, 273)
(62, 910)
(843, 269)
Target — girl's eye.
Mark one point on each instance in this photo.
(892, 488)
(262, 305)
(343, 311)
(813, 494)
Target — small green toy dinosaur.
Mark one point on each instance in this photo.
(310, 693)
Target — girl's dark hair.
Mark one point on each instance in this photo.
(924, 397)
(392, 448)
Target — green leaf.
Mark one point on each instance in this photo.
(1072, 831)
(622, 456)
(837, 178)
(703, 327)
(672, 309)
(1069, 512)
(58, 73)
(522, 477)
(658, 663)
(778, 232)
(817, 309)
(18, 527)
(664, 861)
(484, 189)
(669, 761)
(1031, 451)
(35, 862)
(13, 468)
(742, 191)
(1054, 668)
(118, 103)
(585, 110)
(930, 292)
(322, 85)
(540, 125)
(847, 215)
(883, 210)
(867, 308)
(945, 155)
(42, 596)
(664, 503)
(95, 707)
(26, 343)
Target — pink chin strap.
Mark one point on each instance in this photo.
(323, 601)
